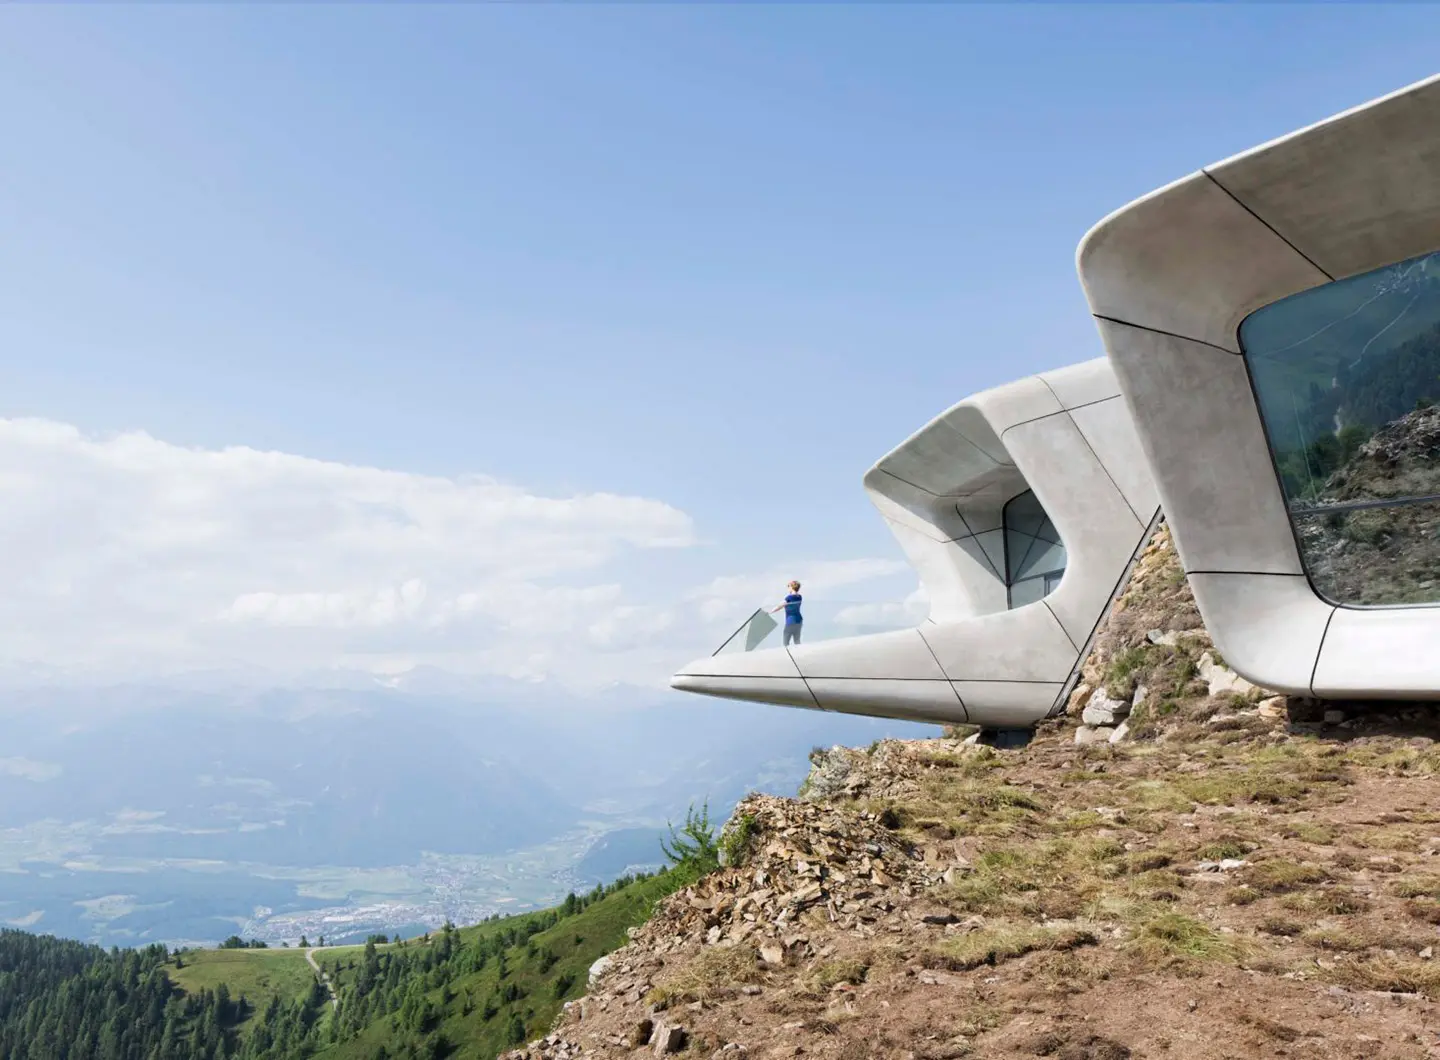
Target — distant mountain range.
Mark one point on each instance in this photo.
(135, 812)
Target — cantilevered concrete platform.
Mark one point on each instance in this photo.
(977, 499)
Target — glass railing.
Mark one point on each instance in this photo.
(824, 620)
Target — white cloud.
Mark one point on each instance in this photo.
(734, 596)
(29, 769)
(127, 556)
(128, 549)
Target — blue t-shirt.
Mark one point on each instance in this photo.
(792, 609)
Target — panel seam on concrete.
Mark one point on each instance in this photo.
(921, 530)
(938, 663)
(852, 677)
(1268, 226)
(1063, 630)
(1062, 411)
(1121, 493)
(1249, 573)
(813, 697)
(1002, 681)
(912, 485)
(1115, 593)
(1167, 334)
(926, 490)
(963, 709)
(916, 680)
(1316, 668)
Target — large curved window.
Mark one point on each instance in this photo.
(1347, 377)
(1034, 554)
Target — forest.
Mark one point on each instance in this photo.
(467, 992)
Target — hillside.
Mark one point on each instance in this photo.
(279, 813)
(471, 992)
(477, 991)
(1183, 866)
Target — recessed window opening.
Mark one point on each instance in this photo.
(1034, 554)
(1347, 378)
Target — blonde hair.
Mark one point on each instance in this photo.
(795, 586)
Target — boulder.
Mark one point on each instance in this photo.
(1103, 710)
(598, 969)
(1273, 708)
(669, 1039)
(1220, 678)
(1088, 734)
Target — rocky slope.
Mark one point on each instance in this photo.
(1196, 870)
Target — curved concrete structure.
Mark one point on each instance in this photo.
(1003, 639)
(1197, 291)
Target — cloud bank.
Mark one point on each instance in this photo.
(129, 556)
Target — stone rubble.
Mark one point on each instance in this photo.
(1219, 678)
(805, 860)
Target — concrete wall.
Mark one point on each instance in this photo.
(1169, 279)
(1065, 434)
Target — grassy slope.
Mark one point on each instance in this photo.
(257, 974)
(577, 941)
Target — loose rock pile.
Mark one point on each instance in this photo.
(809, 867)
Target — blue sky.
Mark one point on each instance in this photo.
(719, 257)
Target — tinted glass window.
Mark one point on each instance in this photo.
(1347, 377)
(1034, 555)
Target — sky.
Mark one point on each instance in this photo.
(547, 341)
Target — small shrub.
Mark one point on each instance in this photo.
(1120, 674)
(736, 839)
(1326, 901)
(1001, 942)
(715, 971)
(692, 849)
(832, 973)
(1243, 895)
(1418, 887)
(1337, 940)
(1222, 848)
(1310, 832)
(1279, 876)
(1426, 909)
(1172, 935)
(1389, 975)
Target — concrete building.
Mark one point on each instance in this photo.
(1022, 509)
(1274, 323)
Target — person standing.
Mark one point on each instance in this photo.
(793, 620)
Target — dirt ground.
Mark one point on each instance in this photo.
(1241, 878)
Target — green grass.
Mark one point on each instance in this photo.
(257, 974)
(997, 943)
(1174, 935)
(474, 1012)
(460, 1006)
